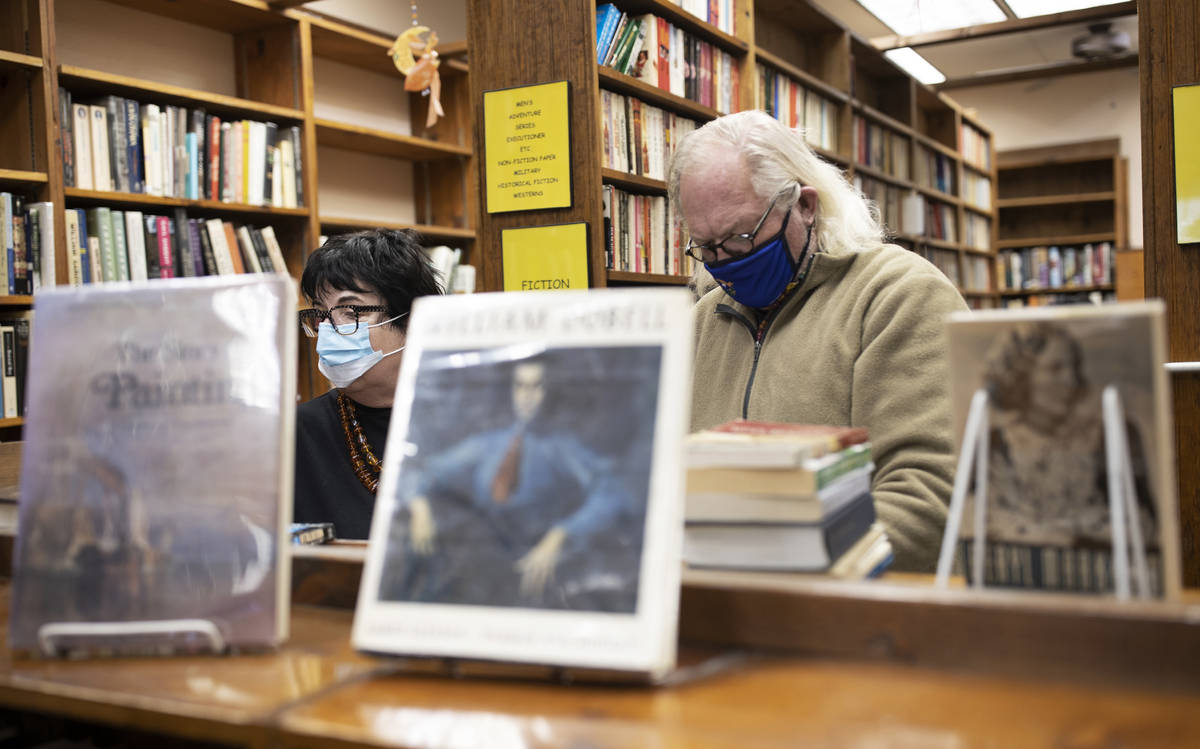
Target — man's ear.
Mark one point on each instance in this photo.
(807, 205)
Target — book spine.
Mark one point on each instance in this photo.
(135, 245)
(33, 233)
(150, 243)
(67, 136)
(298, 159)
(194, 247)
(181, 242)
(118, 154)
(101, 171)
(11, 410)
(120, 246)
(133, 146)
(210, 260)
(273, 249)
(166, 262)
(82, 130)
(848, 525)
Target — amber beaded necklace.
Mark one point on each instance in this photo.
(366, 465)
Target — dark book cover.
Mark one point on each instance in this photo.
(272, 140)
(85, 251)
(118, 153)
(134, 155)
(20, 326)
(199, 116)
(298, 160)
(153, 263)
(33, 232)
(177, 235)
(194, 247)
(66, 140)
(16, 259)
(260, 250)
(210, 260)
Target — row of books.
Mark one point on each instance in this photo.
(14, 361)
(653, 50)
(1056, 300)
(26, 244)
(977, 190)
(975, 147)
(1050, 567)
(941, 220)
(945, 260)
(901, 210)
(1054, 267)
(798, 107)
(642, 234)
(719, 13)
(977, 231)
(933, 170)
(879, 148)
(106, 244)
(639, 138)
(123, 145)
(976, 272)
(785, 497)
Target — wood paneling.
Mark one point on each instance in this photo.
(267, 64)
(1169, 39)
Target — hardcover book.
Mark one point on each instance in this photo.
(157, 467)
(530, 506)
(1047, 502)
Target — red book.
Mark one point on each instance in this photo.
(664, 54)
(165, 259)
(768, 444)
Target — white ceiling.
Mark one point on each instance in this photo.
(959, 59)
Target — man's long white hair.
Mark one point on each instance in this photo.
(777, 158)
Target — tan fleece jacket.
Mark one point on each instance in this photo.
(862, 343)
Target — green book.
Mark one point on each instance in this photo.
(100, 227)
(120, 246)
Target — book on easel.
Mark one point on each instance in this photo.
(538, 521)
(1048, 516)
(157, 467)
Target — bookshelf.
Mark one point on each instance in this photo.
(796, 62)
(237, 59)
(1062, 220)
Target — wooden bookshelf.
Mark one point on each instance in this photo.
(382, 143)
(624, 84)
(331, 224)
(617, 277)
(19, 177)
(18, 61)
(1057, 239)
(1052, 290)
(633, 182)
(81, 197)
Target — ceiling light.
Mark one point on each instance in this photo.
(916, 66)
(916, 16)
(1030, 8)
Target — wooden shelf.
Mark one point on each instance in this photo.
(940, 244)
(1059, 290)
(975, 167)
(976, 209)
(338, 224)
(100, 197)
(886, 120)
(938, 195)
(20, 177)
(9, 423)
(802, 76)
(977, 251)
(383, 143)
(18, 61)
(624, 84)
(634, 182)
(976, 293)
(621, 276)
(84, 81)
(828, 155)
(876, 174)
(1068, 199)
(687, 22)
(938, 146)
(15, 300)
(1059, 240)
(362, 48)
(232, 16)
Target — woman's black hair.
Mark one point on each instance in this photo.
(391, 261)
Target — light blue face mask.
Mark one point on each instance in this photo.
(345, 358)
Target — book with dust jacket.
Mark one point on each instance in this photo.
(157, 468)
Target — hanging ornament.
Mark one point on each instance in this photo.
(414, 55)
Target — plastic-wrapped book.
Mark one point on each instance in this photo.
(530, 506)
(157, 468)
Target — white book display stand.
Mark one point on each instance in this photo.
(1122, 498)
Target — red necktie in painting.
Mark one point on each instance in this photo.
(506, 475)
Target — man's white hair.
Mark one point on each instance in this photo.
(777, 160)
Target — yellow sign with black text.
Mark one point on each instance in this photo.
(528, 147)
(545, 258)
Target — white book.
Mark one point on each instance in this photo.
(288, 159)
(8, 370)
(152, 144)
(444, 261)
(95, 259)
(74, 264)
(101, 174)
(119, 465)
(257, 163)
(273, 248)
(135, 243)
(249, 256)
(220, 246)
(82, 132)
(46, 277)
(166, 139)
(528, 476)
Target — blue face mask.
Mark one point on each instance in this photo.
(344, 358)
(760, 277)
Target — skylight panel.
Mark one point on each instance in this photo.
(1030, 8)
(916, 16)
(915, 65)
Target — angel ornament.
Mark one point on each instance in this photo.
(414, 55)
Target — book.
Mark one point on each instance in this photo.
(81, 130)
(796, 547)
(607, 17)
(156, 480)
(273, 249)
(750, 507)
(1048, 523)
(539, 521)
(8, 372)
(311, 533)
(101, 169)
(811, 476)
(764, 444)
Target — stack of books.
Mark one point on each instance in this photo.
(786, 497)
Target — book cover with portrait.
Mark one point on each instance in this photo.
(1044, 369)
(157, 468)
(530, 505)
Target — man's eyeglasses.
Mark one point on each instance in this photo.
(734, 246)
(344, 318)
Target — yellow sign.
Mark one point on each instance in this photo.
(545, 258)
(1187, 163)
(527, 138)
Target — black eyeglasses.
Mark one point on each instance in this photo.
(344, 318)
(734, 246)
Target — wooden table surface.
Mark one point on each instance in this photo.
(316, 692)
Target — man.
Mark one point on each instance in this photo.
(527, 514)
(814, 318)
(361, 287)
